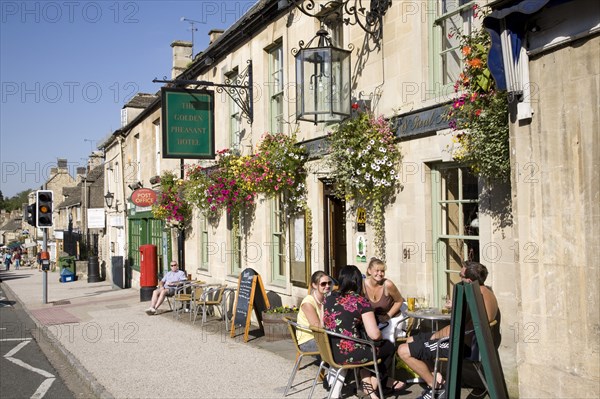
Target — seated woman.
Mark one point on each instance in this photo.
(311, 310)
(347, 312)
(383, 294)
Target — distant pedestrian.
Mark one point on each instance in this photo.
(7, 261)
(39, 261)
(17, 259)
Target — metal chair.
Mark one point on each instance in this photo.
(211, 296)
(183, 296)
(322, 337)
(293, 327)
(227, 304)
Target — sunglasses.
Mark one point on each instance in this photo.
(173, 264)
(325, 283)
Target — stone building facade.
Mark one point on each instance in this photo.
(443, 213)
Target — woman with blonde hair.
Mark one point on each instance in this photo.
(383, 294)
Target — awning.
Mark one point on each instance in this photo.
(14, 245)
(507, 28)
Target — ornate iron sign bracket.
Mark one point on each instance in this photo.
(238, 89)
(351, 12)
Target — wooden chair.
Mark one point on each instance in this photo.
(211, 296)
(322, 337)
(293, 327)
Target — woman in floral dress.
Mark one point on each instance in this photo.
(347, 312)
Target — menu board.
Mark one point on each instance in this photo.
(249, 285)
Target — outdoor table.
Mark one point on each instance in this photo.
(434, 315)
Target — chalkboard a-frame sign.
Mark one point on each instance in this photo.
(247, 300)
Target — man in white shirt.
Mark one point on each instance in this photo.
(166, 287)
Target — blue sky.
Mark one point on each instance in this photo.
(67, 68)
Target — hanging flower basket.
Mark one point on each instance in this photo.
(364, 160)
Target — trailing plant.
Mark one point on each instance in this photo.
(277, 169)
(198, 181)
(172, 206)
(479, 113)
(364, 160)
(227, 190)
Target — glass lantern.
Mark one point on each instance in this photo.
(322, 82)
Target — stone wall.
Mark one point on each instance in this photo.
(556, 211)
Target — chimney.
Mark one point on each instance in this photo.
(182, 56)
(61, 163)
(214, 34)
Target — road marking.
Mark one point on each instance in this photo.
(46, 384)
(43, 388)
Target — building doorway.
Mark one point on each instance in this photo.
(334, 220)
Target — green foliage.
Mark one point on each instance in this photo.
(15, 202)
(283, 309)
(479, 113)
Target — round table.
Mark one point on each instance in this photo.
(432, 314)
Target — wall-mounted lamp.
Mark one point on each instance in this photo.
(322, 81)
(108, 198)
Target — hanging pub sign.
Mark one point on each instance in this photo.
(188, 123)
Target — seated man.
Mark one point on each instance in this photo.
(421, 348)
(166, 287)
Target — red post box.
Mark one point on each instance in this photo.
(148, 271)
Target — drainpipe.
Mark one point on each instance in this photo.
(126, 283)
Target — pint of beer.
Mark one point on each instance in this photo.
(411, 304)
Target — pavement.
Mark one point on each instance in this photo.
(121, 352)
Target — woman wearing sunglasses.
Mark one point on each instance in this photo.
(311, 310)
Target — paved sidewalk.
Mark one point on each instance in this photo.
(123, 353)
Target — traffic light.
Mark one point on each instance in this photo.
(32, 214)
(44, 208)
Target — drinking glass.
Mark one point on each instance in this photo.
(411, 303)
(446, 304)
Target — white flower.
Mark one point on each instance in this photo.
(369, 147)
(372, 142)
(364, 165)
(381, 149)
